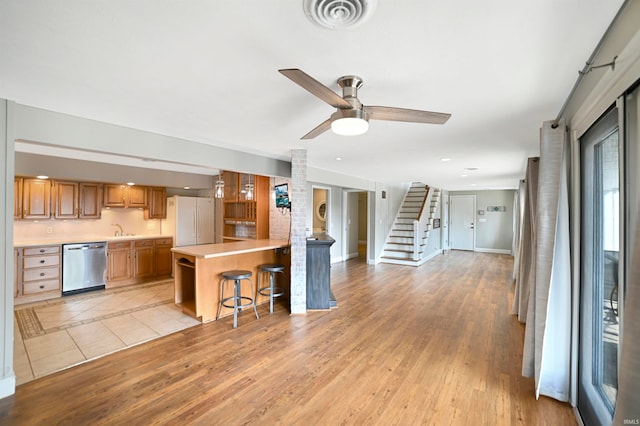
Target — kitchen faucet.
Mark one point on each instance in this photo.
(121, 231)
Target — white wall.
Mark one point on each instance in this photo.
(495, 233)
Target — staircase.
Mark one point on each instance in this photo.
(408, 237)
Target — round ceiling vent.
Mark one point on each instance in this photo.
(338, 14)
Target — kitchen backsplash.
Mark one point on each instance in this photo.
(131, 220)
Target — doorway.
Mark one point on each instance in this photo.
(462, 234)
(356, 225)
(320, 211)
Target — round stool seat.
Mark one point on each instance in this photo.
(272, 267)
(237, 274)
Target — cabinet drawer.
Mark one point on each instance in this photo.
(32, 251)
(41, 274)
(114, 245)
(40, 261)
(144, 243)
(40, 286)
(164, 242)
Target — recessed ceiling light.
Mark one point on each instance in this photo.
(42, 177)
(338, 158)
(473, 184)
(131, 183)
(187, 187)
(464, 175)
(445, 159)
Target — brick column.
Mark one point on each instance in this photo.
(298, 231)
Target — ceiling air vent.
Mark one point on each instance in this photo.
(339, 14)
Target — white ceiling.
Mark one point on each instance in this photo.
(207, 71)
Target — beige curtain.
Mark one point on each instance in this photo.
(518, 216)
(547, 346)
(527, 245)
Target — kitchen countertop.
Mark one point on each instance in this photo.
(208, 251)
(75, 240)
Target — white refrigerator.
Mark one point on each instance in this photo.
(190, 220)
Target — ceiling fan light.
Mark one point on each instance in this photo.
(349, 122)
(350, 126)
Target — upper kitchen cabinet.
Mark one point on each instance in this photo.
(157, 203)
(246, 206)
(90, 200)
(17, 198)
(125, 196)
(73, 200)
(36, 203)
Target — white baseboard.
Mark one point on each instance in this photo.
(351, 255)
(488, 250)
(8, 386)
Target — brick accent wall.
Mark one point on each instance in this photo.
(279, 220)
(298, 193)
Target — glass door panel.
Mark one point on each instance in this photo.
(599, 314)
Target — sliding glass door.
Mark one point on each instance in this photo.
(600, 266)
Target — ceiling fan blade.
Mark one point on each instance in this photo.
(321, 128)
(316, 88)
(403, 114)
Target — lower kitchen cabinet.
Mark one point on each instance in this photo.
(119, 262)
(138, 261)
(144, 258)
(37, 273)
(164, 256)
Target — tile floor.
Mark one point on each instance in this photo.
(56, 334)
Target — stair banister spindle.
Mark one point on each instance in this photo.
(416, 240)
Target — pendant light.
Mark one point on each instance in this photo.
(219, 188)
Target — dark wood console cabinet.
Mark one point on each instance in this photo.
(319, 295)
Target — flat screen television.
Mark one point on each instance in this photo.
(282, 195)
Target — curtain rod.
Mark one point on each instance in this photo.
(589, 64)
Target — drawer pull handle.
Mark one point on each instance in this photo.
(42, 274)
(41, 250)
(41, 286)
(42, 261)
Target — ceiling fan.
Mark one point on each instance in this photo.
(351, 117)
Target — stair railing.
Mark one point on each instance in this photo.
(420, 225)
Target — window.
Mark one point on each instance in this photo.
(600, 266)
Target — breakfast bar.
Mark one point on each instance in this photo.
(198, 269)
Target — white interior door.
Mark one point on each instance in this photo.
(462, 222)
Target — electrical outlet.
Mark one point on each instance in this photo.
(49, 230)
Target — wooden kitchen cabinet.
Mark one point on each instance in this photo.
(17, 198)
(164, 257)
(38, 273)
(90, 201)
(144, 258)
(157, 203)
(73, 200)
(246, 218)
(36, 198)
(118, 262)
(137, 261)
(125, 196)
(65, 200)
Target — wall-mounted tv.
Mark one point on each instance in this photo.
(282, 195)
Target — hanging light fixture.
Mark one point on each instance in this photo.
(248, 189)
(219, 188)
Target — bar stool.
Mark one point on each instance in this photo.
(239, 301)
(272, 291)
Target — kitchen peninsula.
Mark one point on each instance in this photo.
(198, 268)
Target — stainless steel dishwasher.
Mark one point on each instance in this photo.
(84, 267)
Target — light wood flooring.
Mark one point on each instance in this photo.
(429, 345)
